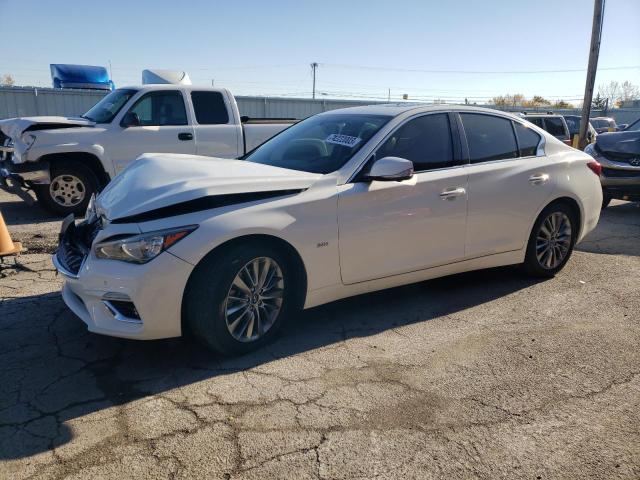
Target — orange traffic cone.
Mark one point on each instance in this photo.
(7, 246)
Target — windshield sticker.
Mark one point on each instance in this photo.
(344, 140)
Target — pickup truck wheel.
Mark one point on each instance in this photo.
(236, 301)
(71, 187)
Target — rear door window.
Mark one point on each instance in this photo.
(528, 140)
(210, 108)
(489, 137)
(426, 141)
(537, 121)
(555, 127)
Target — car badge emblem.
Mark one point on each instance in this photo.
(635, 162)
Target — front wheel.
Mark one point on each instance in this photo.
(236, 302)
(71, 187)
(551, 241)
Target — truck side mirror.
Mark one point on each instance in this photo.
(131, 119)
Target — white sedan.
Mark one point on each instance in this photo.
(345, 202)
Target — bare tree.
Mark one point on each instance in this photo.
(617, 92)
(536, 101)
(562, 104)
(508, 100)
(7, 80)
(629, 91)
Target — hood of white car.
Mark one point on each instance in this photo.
(155, 182)
(14, 127)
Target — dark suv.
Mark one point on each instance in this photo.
(552, 123)
(619, 155)
(574, 121)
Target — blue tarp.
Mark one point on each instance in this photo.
(80, 76)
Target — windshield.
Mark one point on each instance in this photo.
(573, 123)
(109, 106)
(319, 144)
(602, 123)
(634, 127)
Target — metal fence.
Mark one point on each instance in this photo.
(29, 101)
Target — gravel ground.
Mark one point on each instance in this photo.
(481, 375)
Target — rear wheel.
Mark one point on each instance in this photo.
(552, 240)
(71, 187)
(606, 199)
(236, 301)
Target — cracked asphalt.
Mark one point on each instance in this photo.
(481, 375)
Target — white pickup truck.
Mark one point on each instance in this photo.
(65, 160)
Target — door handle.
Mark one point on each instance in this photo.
(185, 136)
(452, 193)
(539, 178)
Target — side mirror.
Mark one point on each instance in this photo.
(130, 119)
(390, 169)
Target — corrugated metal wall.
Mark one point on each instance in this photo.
(29, 101)
(290, 107)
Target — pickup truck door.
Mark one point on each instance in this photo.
(387, 227)
(163, 128)
(218, 133)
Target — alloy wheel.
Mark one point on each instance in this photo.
(553, 240)
(67, 190)
(254, 299)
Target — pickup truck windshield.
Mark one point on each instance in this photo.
(109, 106)
(319, 144)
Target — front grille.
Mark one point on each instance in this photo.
(75, 244)
(617, 173)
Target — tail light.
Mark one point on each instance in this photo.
(595, 167)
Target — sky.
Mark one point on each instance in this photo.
(428, 50)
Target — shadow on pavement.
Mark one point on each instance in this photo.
(18, 212)
(617, 233)
(52, 370)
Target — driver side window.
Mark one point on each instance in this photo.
(160, 108)
(425, 140)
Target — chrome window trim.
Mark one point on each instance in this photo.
(403, 122)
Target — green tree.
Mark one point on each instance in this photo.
(599, 102)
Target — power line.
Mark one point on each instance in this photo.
(473, 72)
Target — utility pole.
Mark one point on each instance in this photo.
(314, 65)
(594, 51)
(389, 97)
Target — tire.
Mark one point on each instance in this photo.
(541, 260)
(74, 183)
(206, 307)
(606, 199)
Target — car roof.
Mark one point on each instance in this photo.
(395, 109)
(540, 114)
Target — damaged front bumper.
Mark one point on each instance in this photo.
(120, 299)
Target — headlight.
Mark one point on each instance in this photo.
(28, 140)
(142, 248)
